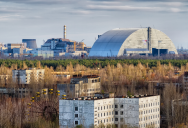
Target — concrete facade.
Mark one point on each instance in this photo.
(24, 76)
(139, 112)
(84, 86)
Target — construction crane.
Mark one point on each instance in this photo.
(82, 40)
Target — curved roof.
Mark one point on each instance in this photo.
(110, 42)
(118, 42)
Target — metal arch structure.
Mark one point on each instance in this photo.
(121, 41)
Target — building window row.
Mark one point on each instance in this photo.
(105, 114)
(105, 120)
(107, 107)
(148, 117)
(149, 105)
(148, 111)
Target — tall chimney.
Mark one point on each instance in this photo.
(64, 31)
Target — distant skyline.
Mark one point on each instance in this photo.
(86, 19)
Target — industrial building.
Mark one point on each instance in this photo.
(64, 46)
(42, 53)
(12, 46)
(84, 86)
(138, 111)
(24, 76)
(31, 43)
(130, 41)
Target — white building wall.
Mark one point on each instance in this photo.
(23, 76)
(126, 111)
(149, 109)
(68, 111)
(139, 112)
(104, 111)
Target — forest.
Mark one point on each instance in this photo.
(91, 63)
(123, 77)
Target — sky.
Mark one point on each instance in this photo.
(86, 19)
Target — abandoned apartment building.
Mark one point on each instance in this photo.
(81, 86)
(139, 111)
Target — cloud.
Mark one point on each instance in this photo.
(45, 2)
(133, 8)
(11, 10)
(79, 12)
(9, 17)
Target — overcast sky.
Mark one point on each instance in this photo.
(86, 19)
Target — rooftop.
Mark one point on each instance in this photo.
(111, 95)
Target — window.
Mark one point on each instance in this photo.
(98, 115)
(107, 120)
(144, 105)
(93, 81)
(101, 107)
(98, 108)
(116, 119)
(116, 112)
(98, 121)
(112, 113)
(104, 120)
(112, 119)
(76, 115)
(104, 107)
(76, 122)
(112, 106)
(116, 106)
(121, 112)
(107, 106)
(101, 114)
(121, 106)
(121, 119)
(104, 114)
(76, 108)
(107, 113)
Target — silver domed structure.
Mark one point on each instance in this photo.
(119, 42)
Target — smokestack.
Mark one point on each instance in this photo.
(64, 31)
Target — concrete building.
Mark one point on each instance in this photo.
(24, 76)
(185, 82)
(142, 41)
(12, 46)
(31, 43)
(42, 53)
(84, 86)
(21, 92)
(138, 111)
(60, 45)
